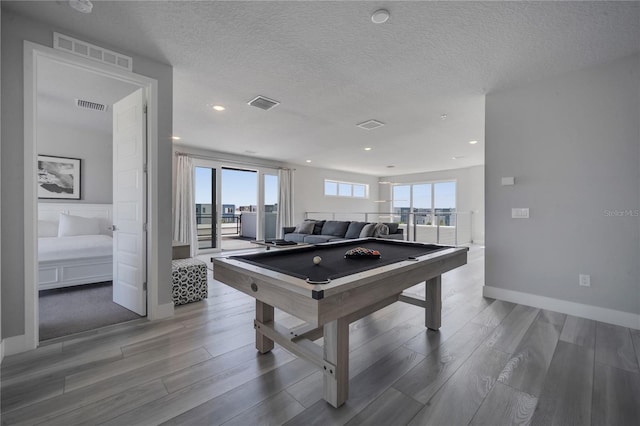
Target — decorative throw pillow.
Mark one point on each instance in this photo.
(367, 230)
(393, 227)
(380, 230)
(317, 230)
(305, 227)
(47, 228)
(76, 225)
(354, 229)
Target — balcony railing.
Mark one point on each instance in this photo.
(450, 228)
(230, 226)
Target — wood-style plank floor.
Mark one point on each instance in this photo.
(492, 363)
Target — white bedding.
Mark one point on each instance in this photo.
(75, 247)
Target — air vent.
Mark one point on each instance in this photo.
(91, 51)
(370, 125)
(263, 103)
(81, 103)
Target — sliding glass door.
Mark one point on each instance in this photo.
(206, 206)
(234, 206)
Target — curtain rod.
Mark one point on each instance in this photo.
(225, 160)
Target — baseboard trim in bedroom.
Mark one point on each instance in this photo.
(596, 313)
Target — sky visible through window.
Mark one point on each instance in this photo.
(238, 187)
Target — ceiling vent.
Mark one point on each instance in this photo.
(81, 103)
(370, 125)
(263, 103)
(91, 51)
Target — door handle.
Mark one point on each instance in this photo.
(113, 228)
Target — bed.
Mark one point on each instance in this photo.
(75, 244)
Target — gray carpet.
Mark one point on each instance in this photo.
(70, 310)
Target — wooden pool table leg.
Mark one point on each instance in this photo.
(433, 311)
(336, 352)
(264, 314)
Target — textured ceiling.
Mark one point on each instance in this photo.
(331, 68)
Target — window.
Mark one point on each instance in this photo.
(427, 201)
(335, 188)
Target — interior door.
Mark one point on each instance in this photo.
(129, 212)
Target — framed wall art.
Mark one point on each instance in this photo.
(58, 177)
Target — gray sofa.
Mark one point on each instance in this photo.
(323, 231)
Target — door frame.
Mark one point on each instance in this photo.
(218, 165)
(34, 52)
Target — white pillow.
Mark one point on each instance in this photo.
(47, 228)
(77, 225)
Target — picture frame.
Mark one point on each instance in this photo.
(59, 178)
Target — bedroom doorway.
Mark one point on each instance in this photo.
(88, 302)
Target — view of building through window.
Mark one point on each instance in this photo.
(429, 202)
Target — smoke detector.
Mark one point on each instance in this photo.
(81, 103)
(263, 103)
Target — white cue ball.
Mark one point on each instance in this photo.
(317, 260)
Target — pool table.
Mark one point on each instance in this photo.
(330, 295)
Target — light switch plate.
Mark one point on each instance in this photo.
(520, 213)
(508, 181)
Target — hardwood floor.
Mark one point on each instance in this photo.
(492, 363)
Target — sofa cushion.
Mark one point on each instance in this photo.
(354, 229)
(296, 238)
(336, 228)
(367, 230)
(393, 227)
(317, 239)
(305, 227)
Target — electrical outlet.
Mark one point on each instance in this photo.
(584, 280)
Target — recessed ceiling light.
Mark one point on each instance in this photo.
(443, 116)
(218, 107)
(380, 16)
(308, 161)
(473, 142)
(368, 148)
(176, 138)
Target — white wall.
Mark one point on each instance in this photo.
(16, 29)
(309, 194)
(95, 149)
(469, 187)
(572, 142)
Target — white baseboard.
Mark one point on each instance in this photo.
(610, 316)
(163, 311)
(15, 345)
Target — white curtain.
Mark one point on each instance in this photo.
(184, 223)
(285, 200)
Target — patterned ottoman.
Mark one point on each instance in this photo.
(189, 280)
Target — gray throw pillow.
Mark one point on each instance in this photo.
(393, 227)
(305, 227)
(367, 230)
(354, 229)
(380, 230)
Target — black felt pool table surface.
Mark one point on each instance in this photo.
(298, 262)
